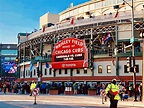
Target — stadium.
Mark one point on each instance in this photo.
(90, 42)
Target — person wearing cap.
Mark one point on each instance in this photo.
(112, 91)
(32, 86)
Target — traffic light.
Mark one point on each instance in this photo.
(17, 60)
(129, 64)
(120, 47)
(128, 61)
(110, 52)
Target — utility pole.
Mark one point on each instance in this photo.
(91, 52)
(133, 47)
(133, 53)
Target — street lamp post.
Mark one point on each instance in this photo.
(133, 48)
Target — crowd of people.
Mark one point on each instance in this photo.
(77, 87)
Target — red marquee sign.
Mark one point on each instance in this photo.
(70, 53)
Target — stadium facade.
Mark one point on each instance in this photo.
(84, 43)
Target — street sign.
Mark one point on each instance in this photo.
(128, 46)
(38, 58)
(132, 40)
(35, 92)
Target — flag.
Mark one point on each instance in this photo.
(31, 66)
(106, 38)
(113, 61)
(72, 21)
(85, 60)
(43, 29)
(57, 25)
(32, 52)
(47, 65)
(116, 15)
(26, 35)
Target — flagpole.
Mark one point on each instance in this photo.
(91, 51)
(41, 47)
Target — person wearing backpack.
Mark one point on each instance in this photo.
(112, 91)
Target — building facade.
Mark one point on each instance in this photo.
(104, 27)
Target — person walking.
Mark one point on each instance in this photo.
(103, 94)
(32, 86)
(112, 91)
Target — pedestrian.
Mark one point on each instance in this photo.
(75, 87)
(112, 91)
(122, 90)
(103, 94)
(32, 86)
(140, 91)
(4, 87)
(131, 90)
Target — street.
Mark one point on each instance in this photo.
(59, 101)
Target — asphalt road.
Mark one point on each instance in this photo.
(11, 104)
(26, 104)
(59, 101)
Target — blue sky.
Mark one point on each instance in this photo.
(19, 16)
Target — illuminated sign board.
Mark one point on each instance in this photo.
(70, 53)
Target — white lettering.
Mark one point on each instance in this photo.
(68, 65)
(77, 55)
(78, 50)
(67, 51)
(79, 43)
(64, 42)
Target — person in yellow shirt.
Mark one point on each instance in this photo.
(32, 86)
(112, 91)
